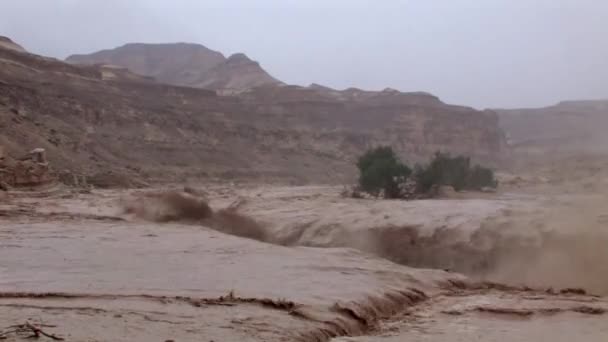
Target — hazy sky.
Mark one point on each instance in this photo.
(483, 53)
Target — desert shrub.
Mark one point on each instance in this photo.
(444, 170)
(453, 171)
(481, 177)
(380, 170)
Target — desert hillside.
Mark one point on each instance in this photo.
(184, 64)
(127, 125)
(569, 126)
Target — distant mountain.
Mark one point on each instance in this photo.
(184, 64)
(568, 125)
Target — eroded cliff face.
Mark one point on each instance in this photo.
(415, 124)
(93, 124)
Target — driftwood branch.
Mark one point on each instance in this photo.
(27, 327)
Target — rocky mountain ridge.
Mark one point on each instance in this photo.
(103, 126)
(184, 64)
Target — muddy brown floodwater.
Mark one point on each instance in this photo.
(82, 267)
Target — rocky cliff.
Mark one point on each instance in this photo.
(184, 64)
(98, 126)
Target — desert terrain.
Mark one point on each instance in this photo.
(214, 207)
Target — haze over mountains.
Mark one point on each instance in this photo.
(569, 126)
(184, 64)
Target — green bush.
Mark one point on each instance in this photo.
(481, 177)
(443, 170)
(454, 171)
(381, 170)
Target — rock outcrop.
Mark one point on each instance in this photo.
(91, 124)
(26, 171)
(7, 43)
(184, 64)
